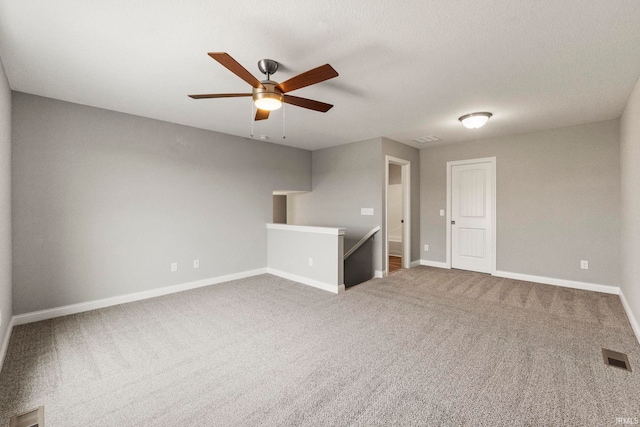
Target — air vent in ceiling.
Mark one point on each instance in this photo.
(426, 139)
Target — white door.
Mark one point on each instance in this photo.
(471, 217)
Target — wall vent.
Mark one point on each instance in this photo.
(33, 418)
(426, 139)
(618, 360)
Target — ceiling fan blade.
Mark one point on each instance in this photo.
(232, 65)
(307, 103)
(219, 95)
(311, 77)
(262, 114)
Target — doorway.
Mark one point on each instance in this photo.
(397, 214)
(471, 218)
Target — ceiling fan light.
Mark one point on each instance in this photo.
(267, 101)
(475, 120)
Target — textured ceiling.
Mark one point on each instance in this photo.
(407, 68)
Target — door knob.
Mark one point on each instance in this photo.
(453, 222)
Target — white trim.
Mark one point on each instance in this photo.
(385, 246)
(308, 229)
(632, 320)
(437, 264)
(406, 229)
(51, 313)
(560, 282)
(5, 342)
(415, 263)
(286, 192)
(306, 281)
(448, 219)
(395, 239)
(380, 274)
(494, 195)
(406, 211)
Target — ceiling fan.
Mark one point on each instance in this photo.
(269, 95)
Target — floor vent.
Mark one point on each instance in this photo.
(33, 418)
(613, 358)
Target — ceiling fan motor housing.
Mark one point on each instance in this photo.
(269, 92)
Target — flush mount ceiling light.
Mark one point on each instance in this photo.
(475, 120)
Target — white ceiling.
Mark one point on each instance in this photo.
(408, 68)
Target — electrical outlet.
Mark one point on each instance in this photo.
(310, 262)
(174, 267)
(584, 265)
(426, 248)
(196, 263)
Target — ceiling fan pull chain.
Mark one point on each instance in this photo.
(283, 128)
(251, 118)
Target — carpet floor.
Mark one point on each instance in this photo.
(424, 346)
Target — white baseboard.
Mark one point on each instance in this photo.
(436, 264)
(415, 263)
(541, 279)
(379, 274)
(36, 316)
(560, 282)
(5, 343)
(632, 319)
(306, 281)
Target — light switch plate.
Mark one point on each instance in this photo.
(441, 212)
(366, 211)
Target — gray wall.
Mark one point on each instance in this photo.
(349, 177)
(103, 202)
(279, 209)
(405, 152)
(290, 250)
(630, 201)
(395, 174)
(5, 205)
(344, 179)
(558, 201)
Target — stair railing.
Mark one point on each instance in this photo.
(362, 241)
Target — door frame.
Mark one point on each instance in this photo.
(405, 167)
(494, 245)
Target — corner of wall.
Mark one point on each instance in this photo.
(630, 207)
(4, 344)
(6, 305)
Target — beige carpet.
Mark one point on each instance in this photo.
(423, 347)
